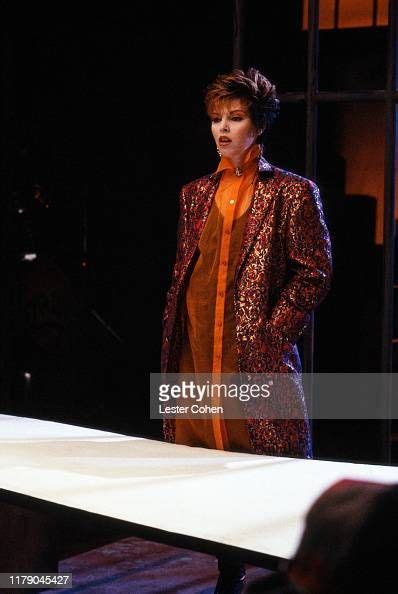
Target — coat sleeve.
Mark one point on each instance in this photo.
(181, 227)
(309, 266)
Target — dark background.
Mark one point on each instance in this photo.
(102, 126)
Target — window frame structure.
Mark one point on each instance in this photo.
(312, 97)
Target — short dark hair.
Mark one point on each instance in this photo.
(252, 87)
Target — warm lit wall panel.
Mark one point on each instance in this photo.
(355, 13)
(362, 144)
(351, 13)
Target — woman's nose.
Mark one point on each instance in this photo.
(224, 126)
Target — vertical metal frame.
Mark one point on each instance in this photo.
(239, 33)
(390, 159)
(311, 146)
(389, 191)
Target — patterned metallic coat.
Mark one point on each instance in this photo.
(283, 274)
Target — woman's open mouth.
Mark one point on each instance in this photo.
(224, 140)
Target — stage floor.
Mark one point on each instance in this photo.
(137, 565)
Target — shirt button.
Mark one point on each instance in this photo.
(219, 324)
(221, 293)
(227, 231)
(224, 262)
(232, 201)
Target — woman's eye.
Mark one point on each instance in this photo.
(236, 118)
(215, 120)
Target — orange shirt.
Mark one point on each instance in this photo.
(210, 341)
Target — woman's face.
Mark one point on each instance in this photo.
(233, 129)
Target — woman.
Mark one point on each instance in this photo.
(253, 261)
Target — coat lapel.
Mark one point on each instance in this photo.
(262, 199)
(203, 196)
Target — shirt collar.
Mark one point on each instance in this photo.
(252, 154)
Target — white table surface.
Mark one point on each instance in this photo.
(245, 500)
